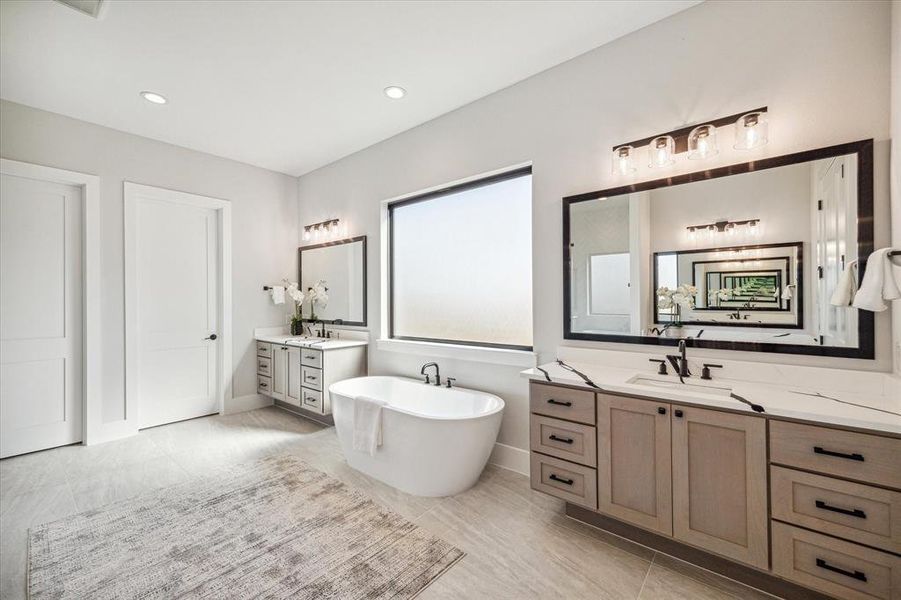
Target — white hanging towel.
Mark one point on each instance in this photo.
(846, 288)
(368, 424)
(881, 282)
(278, 294)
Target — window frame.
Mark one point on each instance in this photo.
(441, 192)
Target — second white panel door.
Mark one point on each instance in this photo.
(175, 321)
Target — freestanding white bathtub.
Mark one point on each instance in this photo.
(435, 440)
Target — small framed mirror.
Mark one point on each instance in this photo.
(340, 267)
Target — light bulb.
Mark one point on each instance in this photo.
(702, 142)
(623, 163)
(306, 233)
(751, 131)
(661, 150)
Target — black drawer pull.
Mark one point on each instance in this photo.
(263, 385)
(852, 512)
(853, 456)
(560, 479)
(559, 403)
(560, 439)
(310, 357)
(858, 575)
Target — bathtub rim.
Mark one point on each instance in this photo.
(499, 409)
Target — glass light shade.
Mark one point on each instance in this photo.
(623, 160)
(702, 142)
(751, 131)
(661, 151)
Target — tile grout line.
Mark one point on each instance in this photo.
(646, 575)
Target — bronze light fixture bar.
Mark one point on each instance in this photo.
(681, 135)
(722, 226)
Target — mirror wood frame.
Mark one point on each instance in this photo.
(865, 319)
(353, 240)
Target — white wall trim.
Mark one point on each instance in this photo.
(93, 427)
(240, 404)
(511, 458)
(484, 354)
(131, 193)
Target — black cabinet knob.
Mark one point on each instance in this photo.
(678, 413)
(661, 410)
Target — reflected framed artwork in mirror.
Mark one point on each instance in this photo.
(341, 267)
(742, 257)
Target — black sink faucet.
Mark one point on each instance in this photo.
(437, 373)
(680, 363)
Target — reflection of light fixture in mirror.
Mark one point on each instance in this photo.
(661, 151)
(702, 142)
(724, 227)
(787, 293)
(325, 229)
(623, 160)
(751, 131)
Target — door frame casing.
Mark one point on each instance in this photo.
(132, 193)
(93, 429)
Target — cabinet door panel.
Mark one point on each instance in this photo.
(292, 389)
(634, 462)
(279, 372)
(719, 483)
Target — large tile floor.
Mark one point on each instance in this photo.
(518, 543)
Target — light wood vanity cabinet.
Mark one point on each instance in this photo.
(726, 482)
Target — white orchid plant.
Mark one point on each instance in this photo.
(315, 295)
(674, 300)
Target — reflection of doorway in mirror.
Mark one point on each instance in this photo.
(836, 245)
(609, 287)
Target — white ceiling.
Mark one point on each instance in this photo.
(290, 86)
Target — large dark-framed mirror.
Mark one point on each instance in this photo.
(742, 257)
(340, 268)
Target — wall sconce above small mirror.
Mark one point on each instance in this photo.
(743, 257)
(341, 265)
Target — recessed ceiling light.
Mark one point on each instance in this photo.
(154, 97)
(395, 92)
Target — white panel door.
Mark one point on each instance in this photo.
(40, 315)
(175, 312)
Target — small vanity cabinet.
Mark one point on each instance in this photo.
(300, 376)
(816, 506)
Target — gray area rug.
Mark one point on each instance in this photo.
(276, 528)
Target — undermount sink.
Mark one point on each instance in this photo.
(714, 390)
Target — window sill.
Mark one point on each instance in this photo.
(496, 356)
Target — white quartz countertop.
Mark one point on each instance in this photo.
(310, 342)
(864, 411)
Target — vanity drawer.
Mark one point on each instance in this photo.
(264, 366)
(264, 385)
(571, 482)
(311, 400)
(836, 567)
(868, 458)
(563, 403)
(853, 511)
(311, 377)
(311, 358)
(264, 349)
(570, 441)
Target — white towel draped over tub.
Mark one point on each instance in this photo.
(368, 424)
(881, 281)
(278, 294)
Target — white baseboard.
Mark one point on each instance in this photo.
(245, 403)
(511, 458)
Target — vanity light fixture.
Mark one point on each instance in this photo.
(623, 160)
(702, 142)
(751, 131)
(325, 229)
(153, 97)
(661, 151)
(698, 141)
(723, 227)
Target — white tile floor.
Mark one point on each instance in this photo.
(518, 543)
